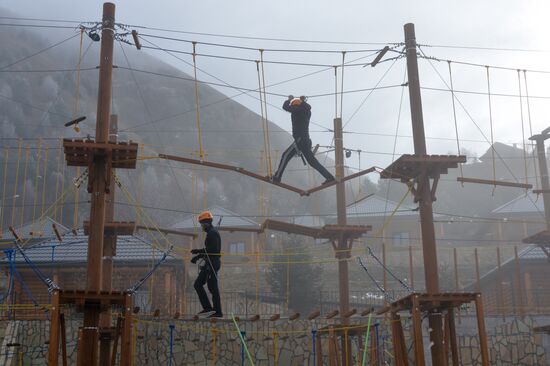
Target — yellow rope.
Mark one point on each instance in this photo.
(5, 177)
(44, 180)
(76, 199)
(58, 170)
(36, 180)
(270, 170)
(23, 199)
(62, 203)
(13, 210)
(522, 129)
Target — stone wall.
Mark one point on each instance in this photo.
(512, 342)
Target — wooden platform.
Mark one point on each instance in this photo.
(541, 238)
(408, 166)
(326, 232)
(82, 152)
(429, 302)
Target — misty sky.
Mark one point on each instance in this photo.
(370, 123)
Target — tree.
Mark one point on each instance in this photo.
(299, 283)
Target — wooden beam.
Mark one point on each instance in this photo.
(168, 231)
(232, 168)
(332, 183)
(494, 182)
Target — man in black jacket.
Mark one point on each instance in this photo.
(208, 273)
(300, 113)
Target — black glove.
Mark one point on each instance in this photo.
(195, 251)
(194, 259)
(290, 97)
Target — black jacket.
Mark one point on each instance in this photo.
(300, 115)
(213, 246)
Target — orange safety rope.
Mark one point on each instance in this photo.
(27, 153)
(37, 173)
(5, 178)
(44, 180)
(13, 211)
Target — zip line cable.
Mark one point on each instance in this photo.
(454, 119)
(3, 68)
(481, 131)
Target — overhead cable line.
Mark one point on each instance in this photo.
(424, 56)
(255, 48)
(261, 38)
(485, 48)
(2, 68)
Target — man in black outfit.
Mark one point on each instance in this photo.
(208, 273)
(300, 113)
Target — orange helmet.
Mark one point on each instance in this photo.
(205, 215)
(296, 101)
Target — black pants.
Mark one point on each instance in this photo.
(303, 145)
(209, 277)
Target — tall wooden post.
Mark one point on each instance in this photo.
(343, 246)
(425, 197)
(543, 168)
(109, 251)
(98, 174)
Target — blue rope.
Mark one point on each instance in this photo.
(171, 342)
(47, 281)
(313, 336)
(243, 334)
(139, 283)
(13, 271)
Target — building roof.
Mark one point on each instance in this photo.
(74, 249)
(530, 253)
(526, 203)
(376, 206)
(502, 150)
(35, 232)
(228, 219)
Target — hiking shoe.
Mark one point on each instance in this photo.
(329, 181)
(205, 313)
(215, 315)
(275, 179)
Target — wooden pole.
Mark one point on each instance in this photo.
(417, 332)
(98, 172)
(478, 284)
(411, 267)
(343, 247)
(500, 296)
(53, 348)
(519, 283)
(126, 342)
(452, 333)
(109, 251)
(425, 202)
(481, 330)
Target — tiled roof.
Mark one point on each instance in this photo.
(525, 203)
(74, 249)
(229, 219)
(376, 206)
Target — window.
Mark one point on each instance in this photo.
(236, 248)
(401, 239)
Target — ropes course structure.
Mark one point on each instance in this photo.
(100, 156)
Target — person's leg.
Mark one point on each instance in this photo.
(305, 148)
(215, 291)
(285, 158)
(199, 287)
